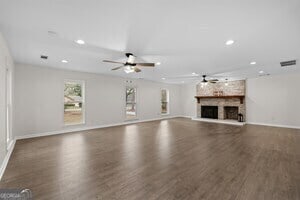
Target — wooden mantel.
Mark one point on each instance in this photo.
(241, 97)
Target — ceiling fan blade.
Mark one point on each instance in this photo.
(109, 61)
(137, 69)
(116, 68)
(213, 80)
(196, 76)
(145, 64)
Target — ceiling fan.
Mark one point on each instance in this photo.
(209, 80)
(196, 76)
(130, 66)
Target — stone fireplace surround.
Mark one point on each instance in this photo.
(233, 88)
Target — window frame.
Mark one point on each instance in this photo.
(168, 101)
(136, 103)
(82, 83)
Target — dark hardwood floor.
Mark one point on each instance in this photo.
(168, 159)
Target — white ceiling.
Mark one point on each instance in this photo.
(185, 36)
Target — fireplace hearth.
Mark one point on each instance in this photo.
(209, 112)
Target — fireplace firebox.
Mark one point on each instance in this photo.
(231, 112)
(209, 112)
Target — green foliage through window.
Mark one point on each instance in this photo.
(73, 89)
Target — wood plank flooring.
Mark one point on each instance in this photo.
(169, 159)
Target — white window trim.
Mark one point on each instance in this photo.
(136, 104)
(82, 82)
(168, 97)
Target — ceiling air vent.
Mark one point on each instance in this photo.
(288, 63)
(44, 57)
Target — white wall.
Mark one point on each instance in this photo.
(274, 100)
(6, 65)
(39, 99)
(189, 103)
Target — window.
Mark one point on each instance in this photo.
(74, 102)
(164, 101)
(130, 103)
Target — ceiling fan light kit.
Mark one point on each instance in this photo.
(226, 83)
(128, 69)
(130, 66)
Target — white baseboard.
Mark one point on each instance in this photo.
(6, 158)
(139, 121)
(185, 116)
(274, 125)
(90, 127)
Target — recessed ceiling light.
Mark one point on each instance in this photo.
(158, 63)
(194, 73)
(261, 72)
(253, 63)
(80, 42)
(64, 61)
(163, 78)
(229, 42)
